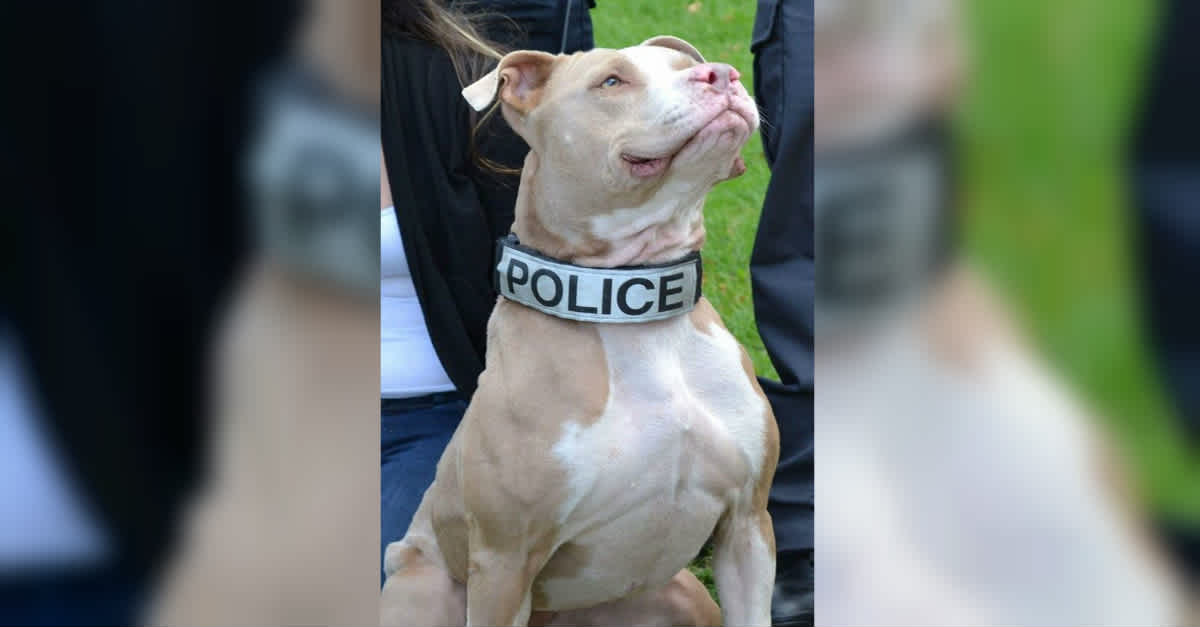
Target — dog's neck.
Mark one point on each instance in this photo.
(667, 228)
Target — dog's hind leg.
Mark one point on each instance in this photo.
(419, 591)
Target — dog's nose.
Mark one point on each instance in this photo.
(719, 75)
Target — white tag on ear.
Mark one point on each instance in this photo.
(482, 93)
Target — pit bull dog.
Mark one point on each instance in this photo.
(618, 425)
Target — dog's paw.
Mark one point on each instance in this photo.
(398, 555)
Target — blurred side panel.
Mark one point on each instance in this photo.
(968, 472)
(286, 526)
(127, 231)
(1163, 161)
(1164, 157)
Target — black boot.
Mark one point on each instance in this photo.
(792, 603)
(1183, 544)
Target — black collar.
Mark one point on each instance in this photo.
(886, 221)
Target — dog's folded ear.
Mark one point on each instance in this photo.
(518, 80)
(675, 43)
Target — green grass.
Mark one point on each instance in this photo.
(720, 29)
(1050, 100)
(1047, 113)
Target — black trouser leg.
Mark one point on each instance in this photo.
(781, 265)
(1165, 195)
(782, 276)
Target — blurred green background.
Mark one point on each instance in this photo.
(1049, 108)
(1049, 103)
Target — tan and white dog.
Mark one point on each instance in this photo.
(596, 459)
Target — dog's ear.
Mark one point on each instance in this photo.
(518, 79)
(675, 43)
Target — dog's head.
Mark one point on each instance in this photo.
(647, 129)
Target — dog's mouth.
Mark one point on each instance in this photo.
(648, 167)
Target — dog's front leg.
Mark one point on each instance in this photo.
(499, 584)
(744, 567)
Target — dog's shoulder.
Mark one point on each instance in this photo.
(964, 318)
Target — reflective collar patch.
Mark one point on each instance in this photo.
(625, 294)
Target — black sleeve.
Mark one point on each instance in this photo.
(546, 25)
(450, 210)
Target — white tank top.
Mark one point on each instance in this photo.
(408, 364)
(44, 520)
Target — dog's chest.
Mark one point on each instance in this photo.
(681, 437)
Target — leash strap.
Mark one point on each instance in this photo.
(626, 294)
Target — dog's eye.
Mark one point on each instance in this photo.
(612, 81)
